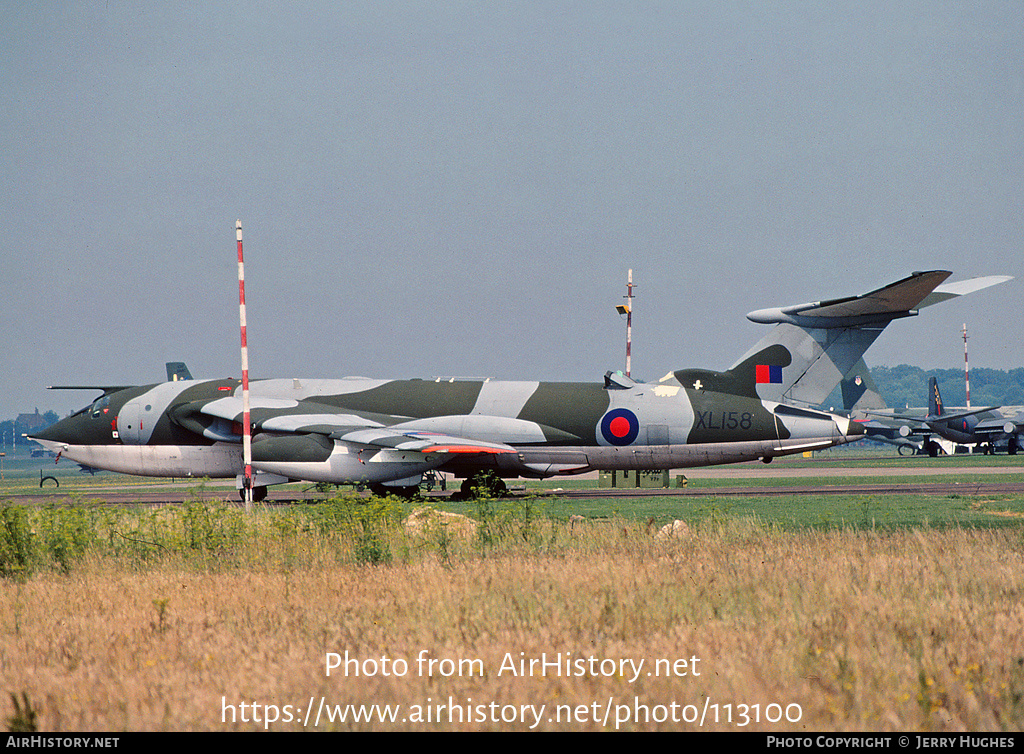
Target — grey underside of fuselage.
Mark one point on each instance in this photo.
(580, 459)
(220, 460)
(224, 460)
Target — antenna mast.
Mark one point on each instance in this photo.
(246, 423)
(967, 369)
(629, 321)
(627, 309)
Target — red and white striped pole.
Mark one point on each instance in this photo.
(246, 423)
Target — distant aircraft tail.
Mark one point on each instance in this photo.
(176, 370)
(814, 346)
(934, 398)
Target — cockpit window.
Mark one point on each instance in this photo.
(100, 407)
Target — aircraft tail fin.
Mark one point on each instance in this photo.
(176, 370)
(934, 398)
(860, 393)
(813, 346)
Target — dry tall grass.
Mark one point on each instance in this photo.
(865, 631)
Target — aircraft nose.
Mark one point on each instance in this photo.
(51, 436)
(74, 430)
(51, 445)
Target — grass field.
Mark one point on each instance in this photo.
(775, 613)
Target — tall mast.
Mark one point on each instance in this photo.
(246, 423)
(967, 369)
(629, 322)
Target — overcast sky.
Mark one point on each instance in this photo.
(459, 188)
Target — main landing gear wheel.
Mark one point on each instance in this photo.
(484, 484)
(381, 490)
(258, 494)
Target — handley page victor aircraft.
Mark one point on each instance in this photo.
(390, 432)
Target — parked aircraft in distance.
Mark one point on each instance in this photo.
(388, 433)
(984, 427)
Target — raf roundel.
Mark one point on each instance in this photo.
(620, 426)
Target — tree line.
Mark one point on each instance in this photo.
(904, 385)
(11, 430)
